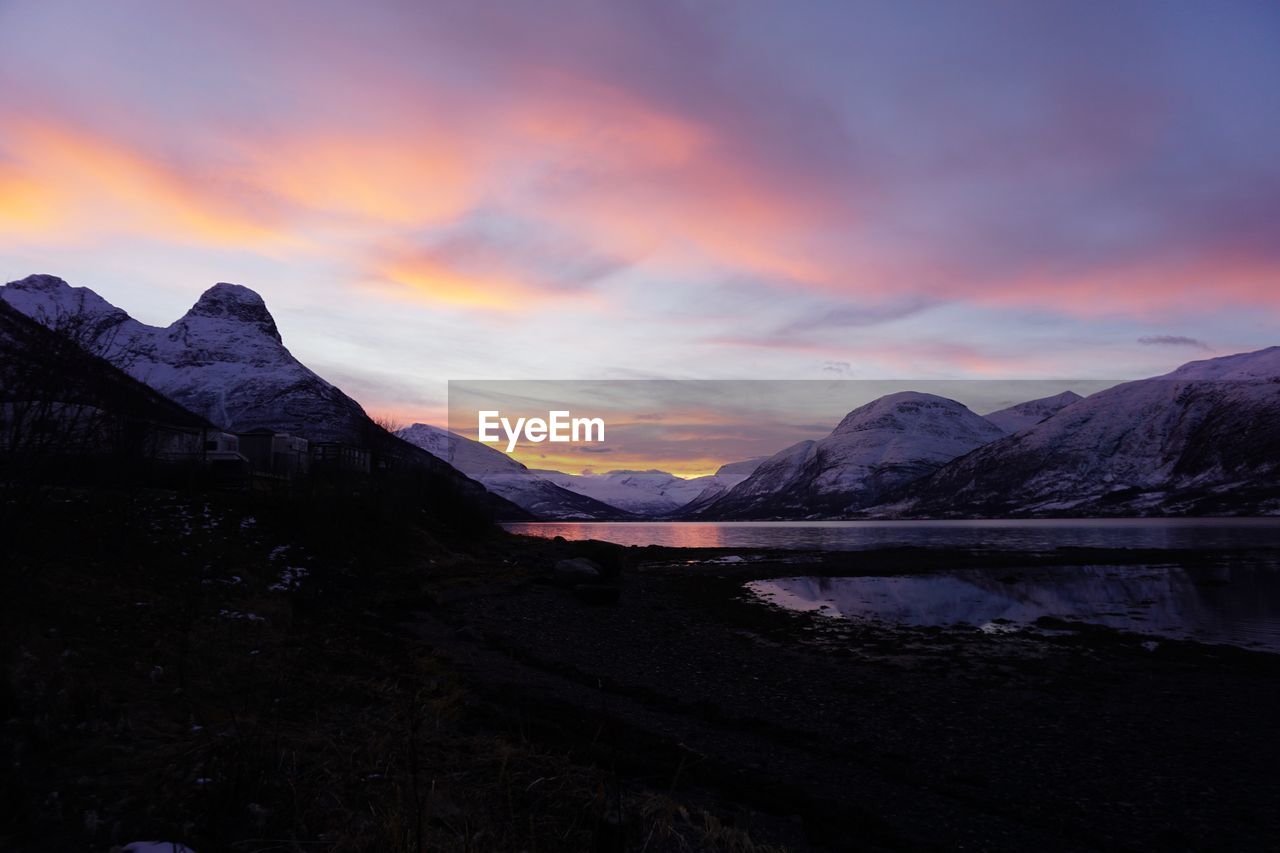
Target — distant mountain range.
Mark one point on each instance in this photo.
(652, 493)
(612, 496)
(1204, 438)
(508, 478)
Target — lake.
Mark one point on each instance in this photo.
(1014, 534)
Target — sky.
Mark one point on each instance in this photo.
(434, 191)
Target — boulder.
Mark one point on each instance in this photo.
(577, 570)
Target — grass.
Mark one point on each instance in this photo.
(169, 673)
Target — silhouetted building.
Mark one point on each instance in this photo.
(276, 453)
(334, 456)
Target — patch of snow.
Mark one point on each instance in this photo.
(290, 579)
(241, 615)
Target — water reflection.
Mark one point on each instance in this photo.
(857, 535)
(670, 534)
(1238, 605)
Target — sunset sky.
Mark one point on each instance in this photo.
(425, 191)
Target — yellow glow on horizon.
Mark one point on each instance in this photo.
(576, 463)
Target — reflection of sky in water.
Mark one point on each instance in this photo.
(858, 535)
(1238, 605)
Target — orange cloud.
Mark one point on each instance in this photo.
(424, 277)
(66, 183)
(603, 129)
(374, 179)
(26, 208)
(62, 182)
(625, 175)
(639, 178)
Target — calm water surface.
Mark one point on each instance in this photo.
(856, 535)
(1235, 604)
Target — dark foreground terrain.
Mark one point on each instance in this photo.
(869, 738)
(239, 673)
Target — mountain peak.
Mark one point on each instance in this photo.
(235, 302)
(42, 282)
(51, 301)
(1031, 412)
(896, 410)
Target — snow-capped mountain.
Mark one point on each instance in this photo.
(724, 479)
(223, 359)
(506, 477)
(648, 493)
(1202, 439)
(64, 399)
(1032, 412)
(890, 441)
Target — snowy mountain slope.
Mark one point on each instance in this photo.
(648, 493)
(223, 359)
(506, 477)
(714, 486)
(890, 441)
(1204, 438)
(1032, 412)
